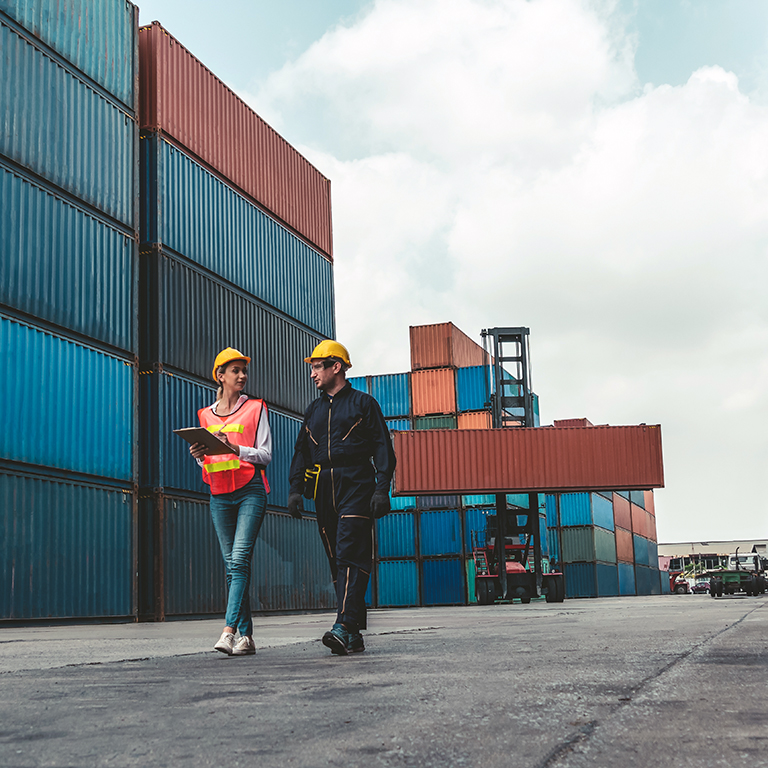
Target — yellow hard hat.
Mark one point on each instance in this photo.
(330, 348)
(227, 356)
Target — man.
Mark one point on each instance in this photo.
(343, 430)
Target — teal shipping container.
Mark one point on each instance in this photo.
(587, 544)
(67, 549)
(193, 213)
(640, 545)
(435, 422)
(397, 583)
(393, 393)
(473, 387)
(65, 264)
(402, 502)
(51, 433)
(626, 578)
(99, 38)
(578, 509)
(358, 382)
(591, 580)
(396, 535)
(60, 127)
(398, 424)
(443, 582)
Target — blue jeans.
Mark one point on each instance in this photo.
(237, 518)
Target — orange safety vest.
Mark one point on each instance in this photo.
(226, 473)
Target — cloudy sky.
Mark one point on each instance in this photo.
(594, 170)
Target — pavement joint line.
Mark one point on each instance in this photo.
(586, 731)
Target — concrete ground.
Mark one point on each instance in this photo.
(673, 680)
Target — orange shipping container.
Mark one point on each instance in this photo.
(621, 514)
(573, 423)
(179, 96)
(433, 392)
(475, 420)
(443, 345)
(624, 549)
(448, 461)
(649, 505)
(650, 526)
(638, 520)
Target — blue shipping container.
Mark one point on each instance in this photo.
(62, 129)
(475, 520)
(290, 568)
(358, 382)
(551, 508)
(553, 541)
(644, 578)
(602, 512)
(398, 424)
(189, 317)
(580, 580)
(64, 265)
(398, 583)
(473, 387)
(99, 38)
(396, 535)
(640, 545)
(195, 214)
(393, 393)
(80, 392)
(443, 582)
(607, 578)
(626, 579)
(437, 502)
(66, 549)
(402, 502)
(479, 500)
(637, 497)
(440, 532)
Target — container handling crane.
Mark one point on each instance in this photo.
(504, 568)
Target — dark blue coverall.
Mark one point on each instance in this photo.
(343, 434)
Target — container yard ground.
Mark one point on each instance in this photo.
(638, 681)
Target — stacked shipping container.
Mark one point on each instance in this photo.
(68, 294)
(235, 251)
(423, 548)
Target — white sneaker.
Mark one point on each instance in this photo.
(226, 643)
(244, 646)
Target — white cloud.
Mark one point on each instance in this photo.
(494, 162)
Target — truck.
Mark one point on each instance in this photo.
(743, 573)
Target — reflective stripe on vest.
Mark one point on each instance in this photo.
(226, 428)
(220, 466)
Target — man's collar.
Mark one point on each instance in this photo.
(343, 391)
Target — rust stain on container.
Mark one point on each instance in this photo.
(475, 420)
(621, 514)
(532, 460)
(433, 391)
(624, 548)
(443, 345)
(179, 96)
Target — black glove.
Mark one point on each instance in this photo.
(295, 505)
(380, 504)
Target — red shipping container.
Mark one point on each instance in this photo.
(183, 99)
(443, 345)
(433, 392)
(621, 514)
(625, 552)
(475, 420)
(650, 526)
(649, 505)
(573, 423)
(638, 520)
(528, 460)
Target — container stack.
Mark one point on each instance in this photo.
(68, 293)
(236, 250)
(424, 547)
(602, 541)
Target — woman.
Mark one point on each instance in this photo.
(238, 488)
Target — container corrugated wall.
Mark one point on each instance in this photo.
(65, 265)
(648, 503)
(396, 535)
(626, 578)
(625, 552)
(67, 549)
(440, 532)
(473, 387)
(474, 419)
(591, 580)
(433, 392)
(434, 422)
(641, 550)
(638, 498)
(398, 583)
(399, 424)
(536, 460)
(60, 127)
(358, 382)
(99, 441)
(602, 511)
(621, 513)
(393, 393)
(443, 582)
(587, 544)
(192, 212)
(639, 519)
(182, 98)
(443, 345)
(191, 316)
(290, 569)
(99, 38)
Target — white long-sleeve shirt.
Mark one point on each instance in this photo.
(261, 452)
